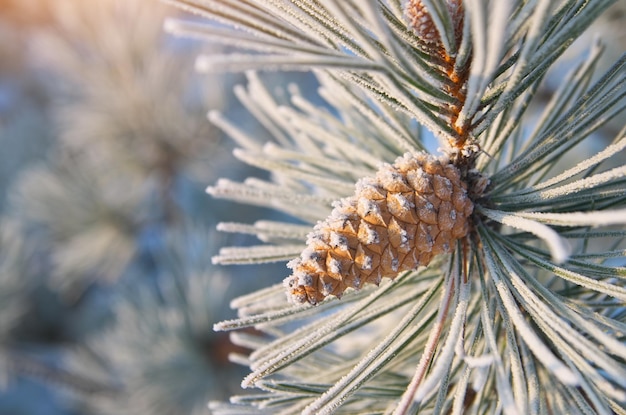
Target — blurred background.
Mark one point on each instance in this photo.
(107, 292)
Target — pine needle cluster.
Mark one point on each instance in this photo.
(526, 313)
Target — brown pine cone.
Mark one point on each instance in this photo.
(421, 22)
(396, 221)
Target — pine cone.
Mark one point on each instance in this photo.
(396, 221)
(421, 22)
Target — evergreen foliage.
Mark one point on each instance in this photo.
(526, 314)
(363, 124)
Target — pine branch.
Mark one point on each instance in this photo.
(516, 315)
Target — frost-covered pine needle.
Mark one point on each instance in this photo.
(526, 314)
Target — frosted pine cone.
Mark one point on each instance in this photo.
(396, 221)
(421, 22)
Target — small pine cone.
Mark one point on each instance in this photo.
(421, 22)
(396, 221)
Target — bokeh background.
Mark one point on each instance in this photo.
(107, 292)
